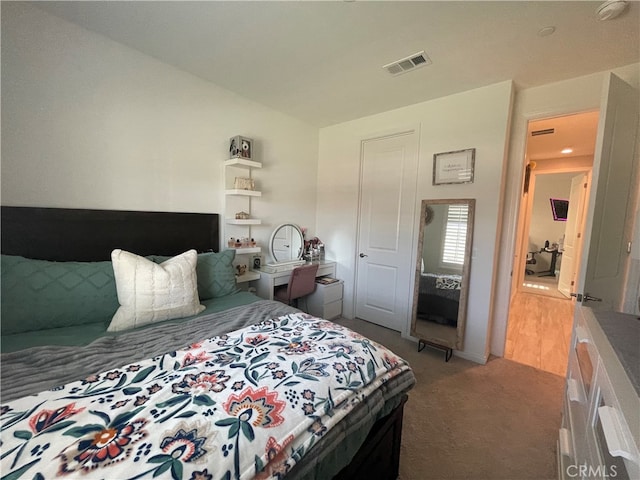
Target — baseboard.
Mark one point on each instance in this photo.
(481, 359)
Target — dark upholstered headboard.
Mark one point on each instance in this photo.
(63, 234)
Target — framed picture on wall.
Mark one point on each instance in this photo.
(454, 167)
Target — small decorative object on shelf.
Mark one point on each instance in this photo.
(241, 269)
(243, 183)
(240, 147)
(242, 216)
(244, 242)
(313, 249)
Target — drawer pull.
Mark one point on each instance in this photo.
(573, 391)
(581, 335)
(565, 443)
(613, 433)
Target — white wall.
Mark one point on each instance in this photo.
(570, 96)
(88, 122)
(477, 118)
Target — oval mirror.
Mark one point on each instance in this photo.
(286, 243)
(442, 273)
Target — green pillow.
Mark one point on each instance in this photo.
(39, 294)
(216, 273)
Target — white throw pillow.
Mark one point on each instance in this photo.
(149, 292)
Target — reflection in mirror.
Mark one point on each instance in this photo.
(287, 243)
(442, 273)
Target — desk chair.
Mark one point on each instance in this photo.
(301, 283)
(531, 260)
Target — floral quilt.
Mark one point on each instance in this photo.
(248, 404)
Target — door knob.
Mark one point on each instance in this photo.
(362, 255)
(585, 298)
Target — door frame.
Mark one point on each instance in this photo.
(511, 228)
(525, 209)
(575, 95)
(407, 129)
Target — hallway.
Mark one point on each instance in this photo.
(539, 331)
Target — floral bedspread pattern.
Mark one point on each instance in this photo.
(247, 404)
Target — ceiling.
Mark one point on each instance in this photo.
(577, 132)
(322, 61)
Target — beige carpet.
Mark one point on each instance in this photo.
(470, 421)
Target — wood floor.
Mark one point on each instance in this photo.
(539, 331)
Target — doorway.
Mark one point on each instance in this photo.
(559, 153)
(551, 237)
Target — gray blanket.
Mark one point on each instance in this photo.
(30, 371)
(40, 368)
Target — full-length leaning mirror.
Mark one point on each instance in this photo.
(286, 243)
(442, 273)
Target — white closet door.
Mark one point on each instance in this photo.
(386, 230)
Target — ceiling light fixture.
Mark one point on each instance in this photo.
(567, 150)
(611, 9)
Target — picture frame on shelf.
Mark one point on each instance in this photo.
(256, 262)
(240, 147)
(454, 167)
(244, 183)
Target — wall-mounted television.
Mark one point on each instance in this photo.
(559, 208)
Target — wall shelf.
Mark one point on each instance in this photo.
(244, 193)
(242, 162)
(248, 277)
(247, 221)
(245, 250)
(240, 228)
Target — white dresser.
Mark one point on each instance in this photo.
(600, 432)
(268, 281)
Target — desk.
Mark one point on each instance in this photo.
(554, 258)
(268, 281)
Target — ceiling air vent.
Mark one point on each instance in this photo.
(407, 64)
(546, 131)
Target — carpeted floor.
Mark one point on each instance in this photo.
(469, 421)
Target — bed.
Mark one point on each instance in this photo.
(439, 298)
(247, 388)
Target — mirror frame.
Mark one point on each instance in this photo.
(464, 284)
(273, 234)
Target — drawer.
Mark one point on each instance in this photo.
(614, 448)
(328, 311)
(333, 310)
(577, 408)
(330, 293)
(586, 355)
